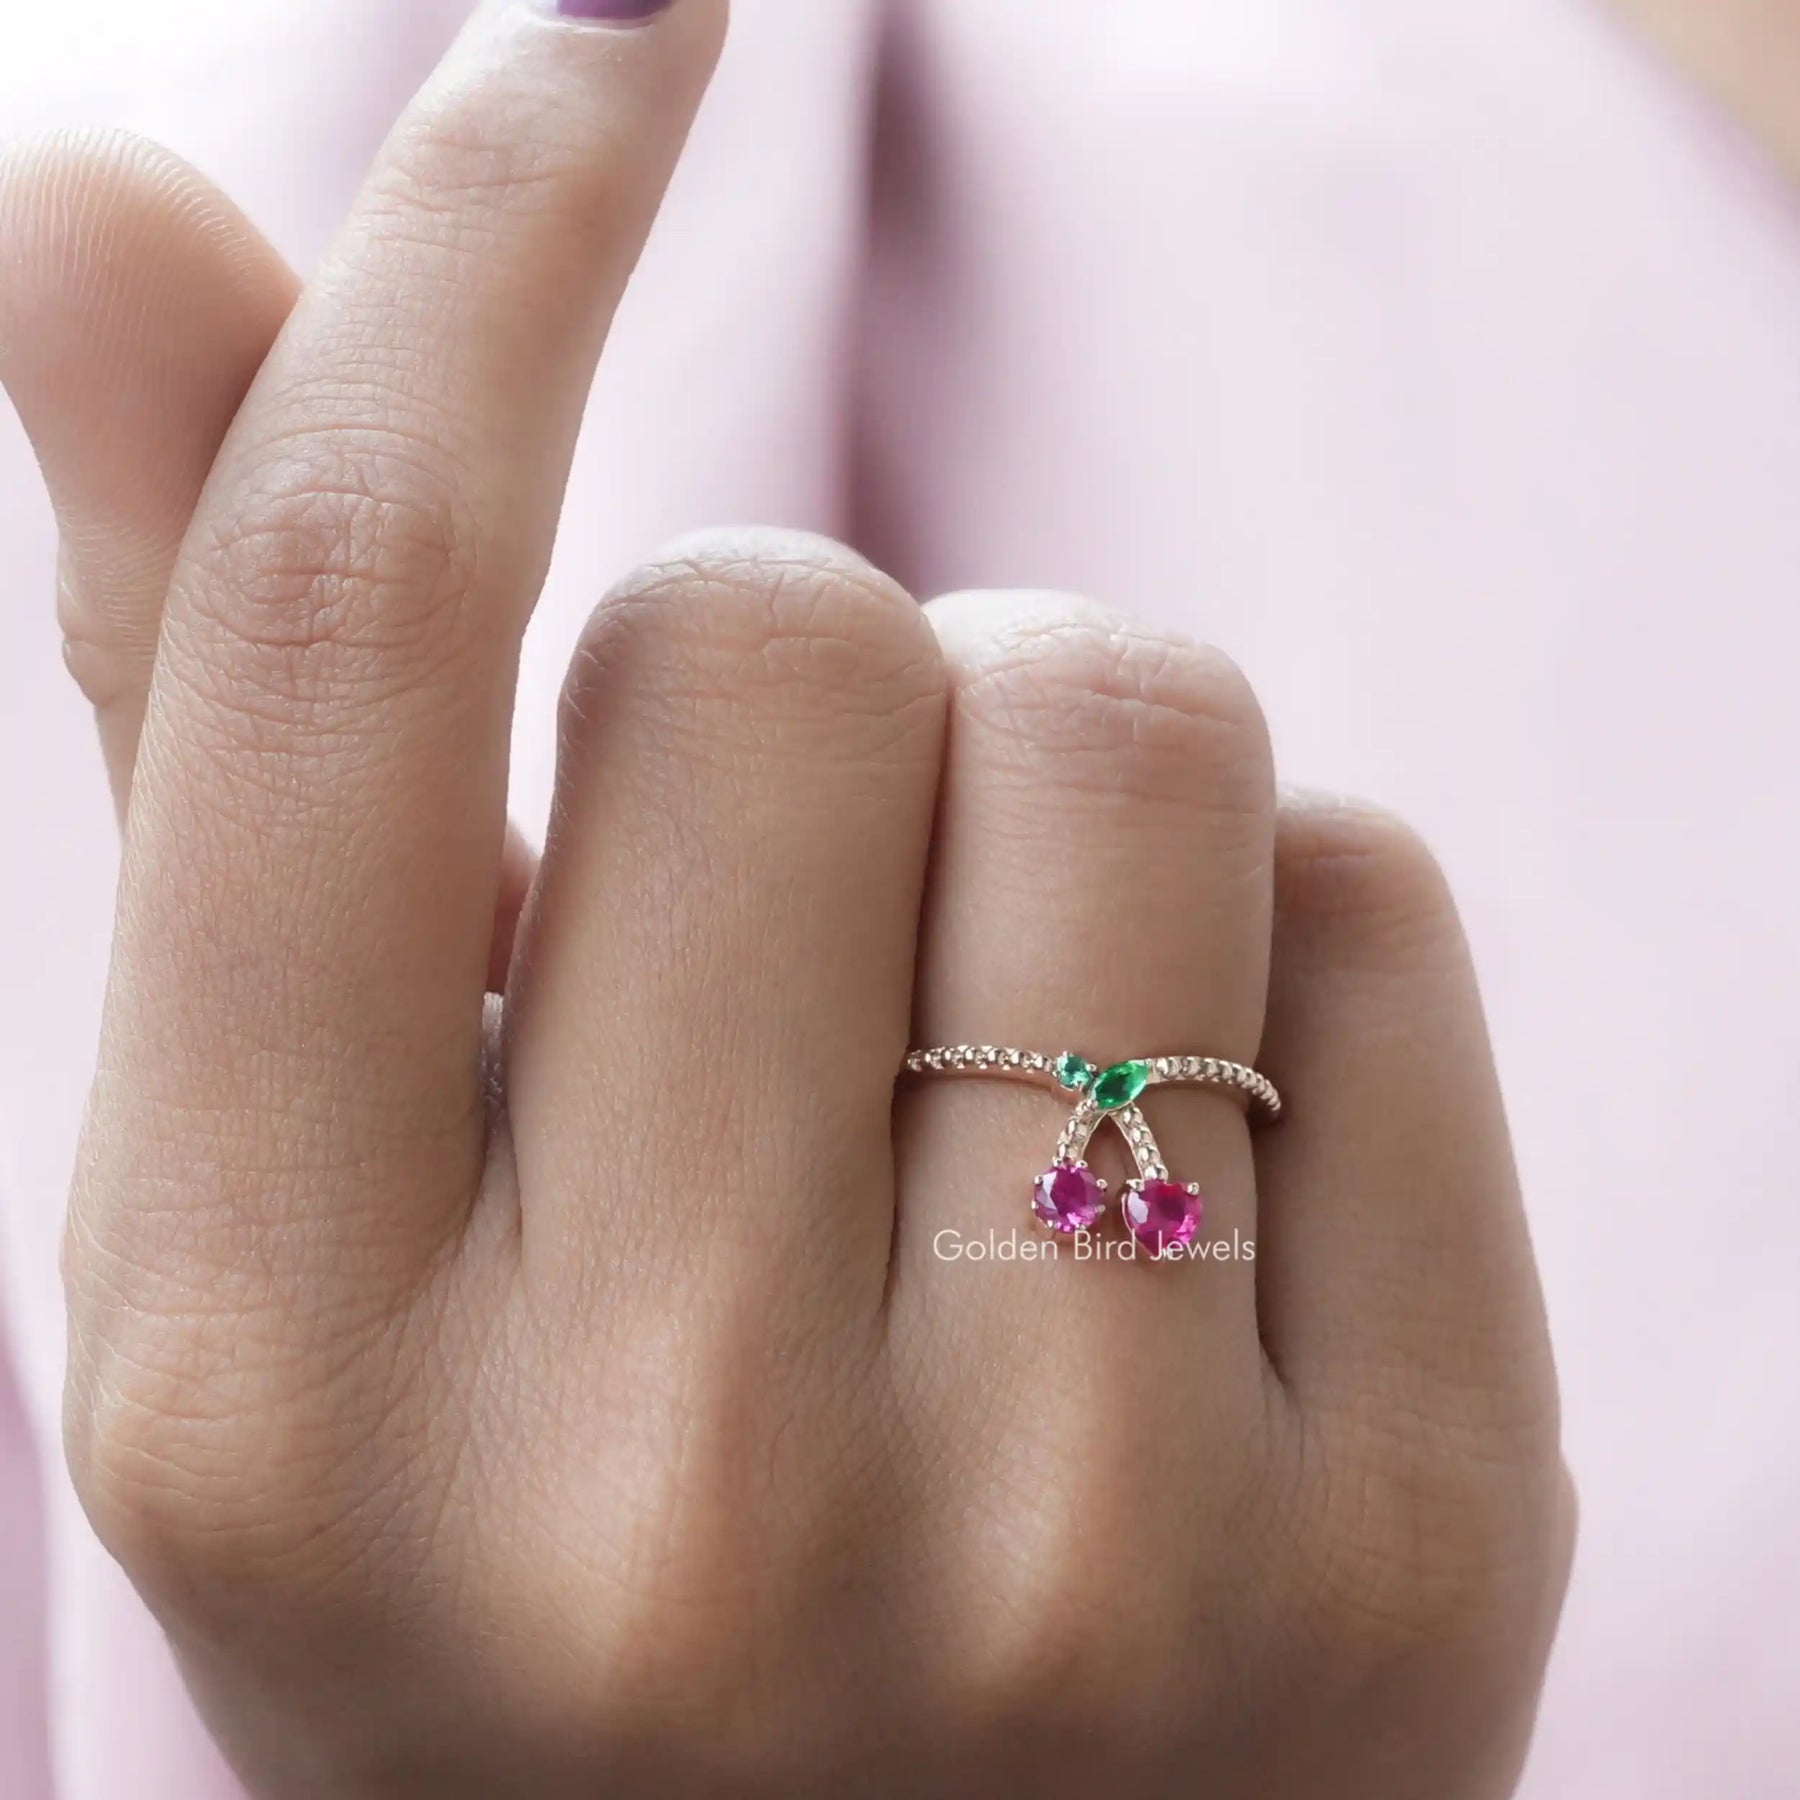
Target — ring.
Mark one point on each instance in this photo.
(1162, 1215)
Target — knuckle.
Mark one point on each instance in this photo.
(1057, 1645)
(346, 571)
(1134, 1669)
(189, 1489)
(782, 639)
(1435, 1552)
(140, 1471)
(708, 1601)
(1117, 709)
(216, 1495)
(109, 660)
(1345, 863)
(1046, 1611)
(219, 1452)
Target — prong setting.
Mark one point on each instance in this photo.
(1162, 1215)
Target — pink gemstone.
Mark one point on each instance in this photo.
(1068, 1198)
(1162, 1215)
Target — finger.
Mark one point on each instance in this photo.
(137, 305)
(718, 964)
(1394, 1264)
(317, 824)
(518, 869)
(1101, 882)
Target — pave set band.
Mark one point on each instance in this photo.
(1162, 1215)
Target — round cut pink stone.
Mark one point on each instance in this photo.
(1068, 1198)
(1162, 1215)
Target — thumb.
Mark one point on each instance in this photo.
(136, 306)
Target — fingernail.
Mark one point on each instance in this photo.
(610, 12)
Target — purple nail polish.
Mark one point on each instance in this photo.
(611, 12)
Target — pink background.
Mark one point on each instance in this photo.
(1439, 358)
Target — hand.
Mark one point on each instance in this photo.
(569, 1397)
(1745, 53)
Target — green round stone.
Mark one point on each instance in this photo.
(1121, 1084)
(1074, 1072)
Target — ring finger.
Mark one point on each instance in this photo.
(1102, 882)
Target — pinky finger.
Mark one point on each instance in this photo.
(1399, 1302)
(1395, 1269)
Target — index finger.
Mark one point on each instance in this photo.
(315, 836)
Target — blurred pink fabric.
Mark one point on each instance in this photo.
(1441, 361)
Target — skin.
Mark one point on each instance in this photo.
(560, 1394)
(1746, 53)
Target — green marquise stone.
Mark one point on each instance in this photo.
(1121, 1084)
(1074, 1072)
